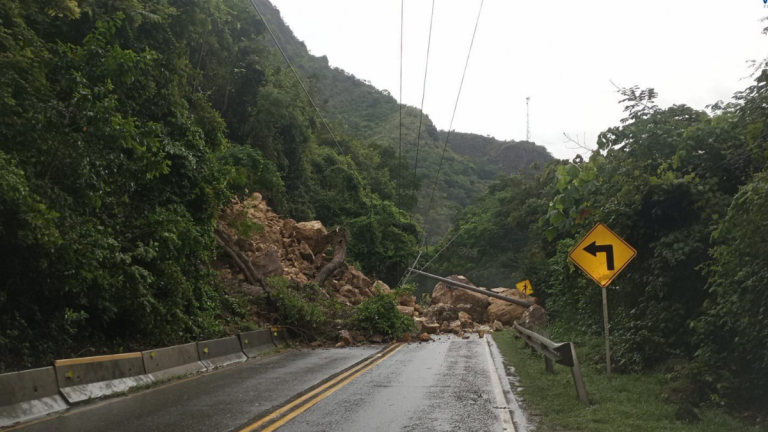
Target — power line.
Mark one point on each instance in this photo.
(448, 244)
(306, 92)
(424, 89)
(406, 275)
(450, 126)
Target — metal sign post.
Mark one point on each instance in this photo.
(607, 338)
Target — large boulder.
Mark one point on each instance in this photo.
(268, 264)
(405, 310)
(442, 312)
(384, 288)
(534, 316)
(430, 328)
(345, 338)
(466, 320)
(357, 279)
(313, 233)
(288, 226)
(476, 305)
(505, 312)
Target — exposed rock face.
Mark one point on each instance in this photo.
(474, 304)
(534, 316)
(504, 312)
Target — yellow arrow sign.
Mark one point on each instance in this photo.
(602, 255)
(525, 287)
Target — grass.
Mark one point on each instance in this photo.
(630, 402)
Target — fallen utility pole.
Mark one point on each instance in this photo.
(475, 289)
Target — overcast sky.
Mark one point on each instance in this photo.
(563, 54)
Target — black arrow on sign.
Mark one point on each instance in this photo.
(593, 249)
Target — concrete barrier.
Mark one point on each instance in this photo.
(29, 394)
(220, 352)
(86, 378)
(257, 342)
(279, 336)
(165, 363)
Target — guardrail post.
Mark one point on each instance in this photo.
(578, 379)
(562, 353)
(549, 364)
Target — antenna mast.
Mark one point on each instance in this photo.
(527, 119)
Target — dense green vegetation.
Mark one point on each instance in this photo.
(305, 310)
(126, 126)
(686, 188)
(630, 402)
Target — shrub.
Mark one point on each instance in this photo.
(379, 314)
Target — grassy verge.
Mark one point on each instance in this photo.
(629, 402)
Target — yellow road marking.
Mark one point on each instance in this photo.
(344, 378)
(100, 403)
(74, 361)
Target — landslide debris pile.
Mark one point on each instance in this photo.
(251, 234)
(258, 244)
(459, 311)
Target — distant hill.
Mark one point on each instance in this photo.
(364, 112)
(510, 157)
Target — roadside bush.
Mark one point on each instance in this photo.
(379, 314)
(307, 309)
(731, 363)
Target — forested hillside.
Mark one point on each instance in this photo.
(126, 127)
(369, 114)
(688, 189)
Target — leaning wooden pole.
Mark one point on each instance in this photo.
(474, 289)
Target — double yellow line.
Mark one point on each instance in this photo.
(287, 413)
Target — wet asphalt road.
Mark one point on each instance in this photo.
(225, 400)
(440, 386)
(445, 385)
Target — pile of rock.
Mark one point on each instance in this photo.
(460, 311)
(284, 247)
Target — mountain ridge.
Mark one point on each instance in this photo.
(357, 108)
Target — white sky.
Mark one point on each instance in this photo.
(564, 54)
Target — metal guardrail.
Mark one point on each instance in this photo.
(561, 353)
(450, 282)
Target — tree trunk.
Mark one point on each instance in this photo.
(241, 261)
(339, 255)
